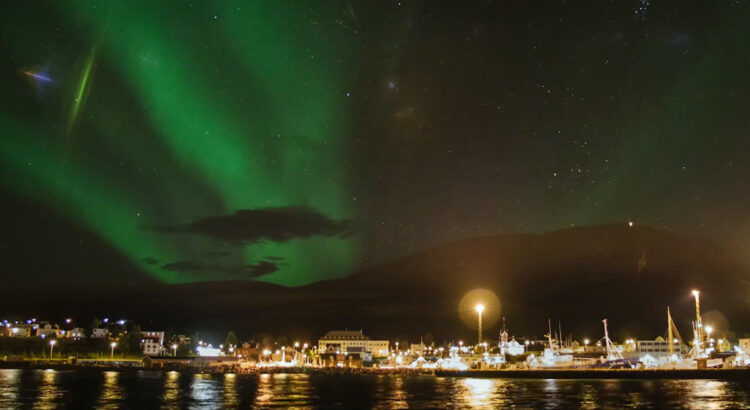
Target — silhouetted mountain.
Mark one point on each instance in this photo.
(577, 276)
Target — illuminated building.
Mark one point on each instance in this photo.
(152, 342)
(342, 340)
(658, 346)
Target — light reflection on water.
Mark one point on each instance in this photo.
(48, 392)
(230, 390)
(149, 389)
(171, 394)
(111, 392)
(9, 385)
(477, 392)
(206, 391)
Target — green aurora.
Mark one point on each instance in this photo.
(161, 129)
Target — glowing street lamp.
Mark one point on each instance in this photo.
(51, 346)
(709, 329)
(174, 350)
(112, 351)
(480, 309)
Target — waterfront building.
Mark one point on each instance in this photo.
(512, 348)
(341, 340)
(152, 342)
(657, 347)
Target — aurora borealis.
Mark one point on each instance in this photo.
(292, 142)
(161, 132)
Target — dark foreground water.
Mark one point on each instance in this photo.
(147, 389)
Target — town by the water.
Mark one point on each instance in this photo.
(109, 343)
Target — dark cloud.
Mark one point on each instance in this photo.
(216, 253)
(184, 266)
(151, 261)
(259, 268)
(248, 226)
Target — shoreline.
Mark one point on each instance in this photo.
(677, 374)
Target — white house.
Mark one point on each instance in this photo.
(76, 333)
(152, 342)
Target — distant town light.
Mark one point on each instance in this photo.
(208, 351)
(480, 308)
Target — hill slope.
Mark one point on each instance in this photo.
(578, 276)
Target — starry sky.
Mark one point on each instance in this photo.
(293, 142)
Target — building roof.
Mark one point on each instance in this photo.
(345, 335)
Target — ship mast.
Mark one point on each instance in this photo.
(697, 327)
(606, 340)
(670, 336)
(549, 334)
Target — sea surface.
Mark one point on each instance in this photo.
(43, 389)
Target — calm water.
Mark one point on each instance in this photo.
(146, 389)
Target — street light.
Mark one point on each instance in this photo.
(174, 349)
(586, 342)
(480, 309)
(51, 346)
(112, 352)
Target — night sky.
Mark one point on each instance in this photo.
(292, 142)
